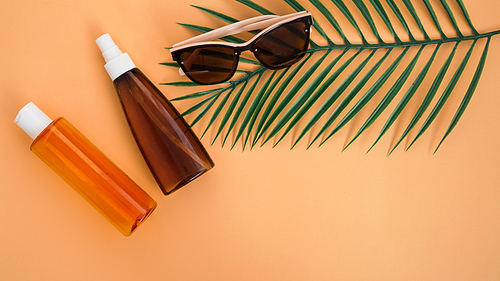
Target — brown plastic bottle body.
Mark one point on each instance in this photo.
(82, 165)
(172, 151)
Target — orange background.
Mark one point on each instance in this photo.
(268, 214)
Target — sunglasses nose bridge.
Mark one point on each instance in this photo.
(241, 49)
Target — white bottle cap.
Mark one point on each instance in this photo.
(117, 62)
(32, 120)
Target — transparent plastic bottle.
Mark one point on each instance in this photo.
(172, 151)
(83, 166)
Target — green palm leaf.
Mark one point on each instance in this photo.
(360, 69)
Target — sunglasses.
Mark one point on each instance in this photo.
(283, 42)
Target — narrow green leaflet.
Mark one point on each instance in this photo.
(198, 105)
(217, 15)
(345, 11)
(413, 12)
(446, 94)
(170, 64)
(229, 111)
(466, 16)
(401, 18)
(254, 106)
(300, 101)
(368, 17)
(314, 94)
(204, 111)
(468, 95)
(388, 97)
(345, 102)
(255, 7)
(180, 84)
(267, 118)
(380, 10)
(269, 108)
(452, 18)
(218, 111)
(368, 96)
(407, 97)
(297, 7)
(240, 110)
(332, 98)
(202, 29)
(434, 18)
(331, 19)
(430, 95)
(196, 95)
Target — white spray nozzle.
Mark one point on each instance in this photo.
(117, 62)
(108, 47)
(32, 120)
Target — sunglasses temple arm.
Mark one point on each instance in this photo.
(224, 31)
(254, 23)
(260, 24)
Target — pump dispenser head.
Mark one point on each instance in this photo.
(117, 62)
(32, 120)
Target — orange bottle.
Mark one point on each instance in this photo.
(82, 165)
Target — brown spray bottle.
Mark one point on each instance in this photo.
(172, 151)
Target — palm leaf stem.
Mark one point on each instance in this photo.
(406, 44)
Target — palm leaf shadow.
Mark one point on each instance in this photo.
(345, 73)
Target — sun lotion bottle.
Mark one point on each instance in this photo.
(172, 151)
(86, 169)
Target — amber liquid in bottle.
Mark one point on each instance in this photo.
(93, 175)
(172, 151)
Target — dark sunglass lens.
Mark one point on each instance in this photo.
(208, 65)
(284, 45)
